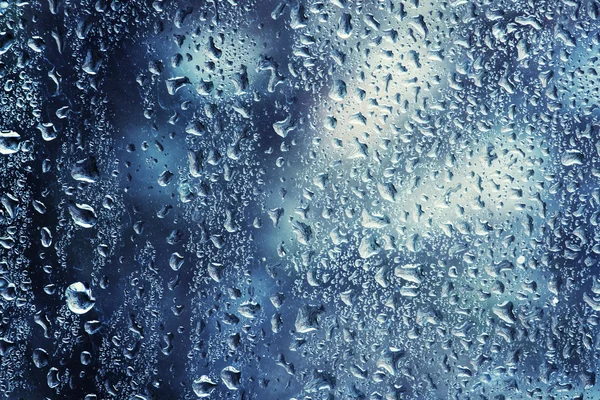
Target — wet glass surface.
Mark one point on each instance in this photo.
(336, 199)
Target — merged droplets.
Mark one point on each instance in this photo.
(79, 298)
